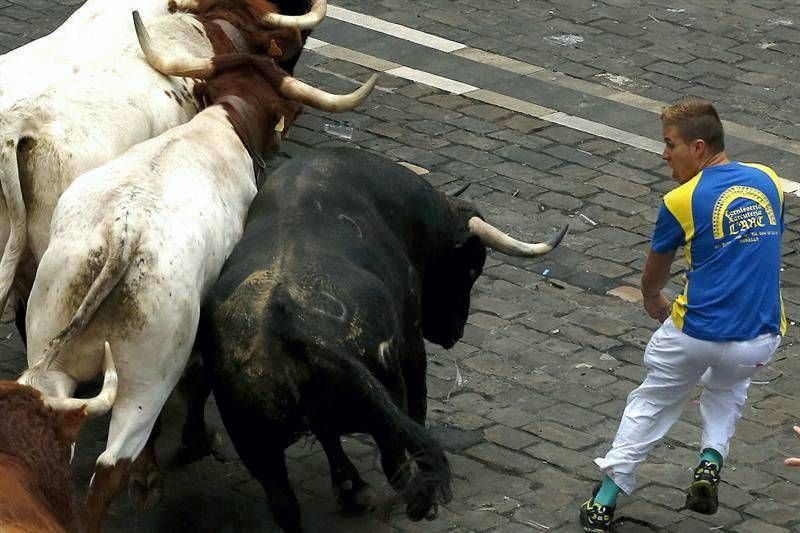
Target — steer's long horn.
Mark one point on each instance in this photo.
(308, 21)
(168, 64)
(100, 404)
(290, 87)
(302, 92)
(497, 240)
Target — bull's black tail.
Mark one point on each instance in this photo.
(432, 483)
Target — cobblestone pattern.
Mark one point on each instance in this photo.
(548, 357)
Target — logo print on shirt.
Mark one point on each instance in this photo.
(743, 219)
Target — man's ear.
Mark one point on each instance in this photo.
(699, 147)
(71, 423)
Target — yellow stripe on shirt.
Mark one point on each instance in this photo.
(783, 315)
(679, 203)
(773, 176)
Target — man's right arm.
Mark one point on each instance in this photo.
(667, 237)
(654, 279)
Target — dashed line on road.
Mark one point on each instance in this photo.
(607, 132)
(395, 30)
(526, 69)
(432, 80)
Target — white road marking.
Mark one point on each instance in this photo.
(607, 132)
(395, 30)
(510, 103)
(432, 80)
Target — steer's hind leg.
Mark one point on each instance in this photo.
(145, 483)
(132, 421)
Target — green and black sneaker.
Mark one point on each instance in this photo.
(596, 518)
(702, 494)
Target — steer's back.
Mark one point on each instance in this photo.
(116, 105)
(97, 29)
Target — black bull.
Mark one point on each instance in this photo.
(348, 261)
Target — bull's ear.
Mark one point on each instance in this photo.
(466, 240)
(71, 423)
(470, 254)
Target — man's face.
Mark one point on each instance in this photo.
(684, 158)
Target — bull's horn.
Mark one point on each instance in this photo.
(186, 5)
(100, 404)
(168, 64)
(302, 92)
(497, 240)
(309, 21)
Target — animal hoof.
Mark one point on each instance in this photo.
(144, 489)
(356, 499)
(433, 512)
(420, 510)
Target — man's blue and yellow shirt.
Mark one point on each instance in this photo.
(729, 218)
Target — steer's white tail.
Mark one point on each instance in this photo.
(123, 239)
(12, 194)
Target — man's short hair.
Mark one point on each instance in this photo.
(695, 118)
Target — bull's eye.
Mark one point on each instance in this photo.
(473, 274)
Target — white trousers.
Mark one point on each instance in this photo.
(675, 363)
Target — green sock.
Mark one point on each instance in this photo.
(609, 491)
(712, 455)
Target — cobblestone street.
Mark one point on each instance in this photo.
(550, 111)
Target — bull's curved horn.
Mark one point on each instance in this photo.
(302, 92)
(100, 404)
(309, 21)
(497, 240)
(167, 64)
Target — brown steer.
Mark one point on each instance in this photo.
(36, 437)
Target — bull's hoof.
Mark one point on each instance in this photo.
(145, 488)
(433, 512)
(418, 511)
(357, 497)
